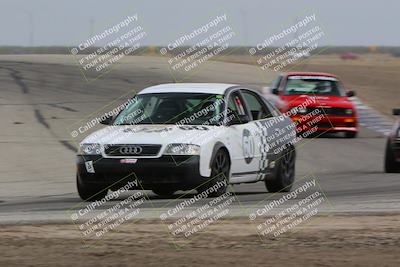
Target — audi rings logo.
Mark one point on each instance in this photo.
(130, 150)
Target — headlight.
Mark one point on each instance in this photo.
(182, 149)
(89, 149)
(348, 111)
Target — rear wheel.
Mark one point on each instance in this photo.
(220, 169)
(284, 173)
(90, 192)
(391, 166)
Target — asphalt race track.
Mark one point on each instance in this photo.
(43, 98)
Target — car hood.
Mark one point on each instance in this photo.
(154, 134)
(318, 101)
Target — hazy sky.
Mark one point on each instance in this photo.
(56, 22)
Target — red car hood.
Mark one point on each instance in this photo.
(317, 101)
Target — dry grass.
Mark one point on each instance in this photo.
(327, 241)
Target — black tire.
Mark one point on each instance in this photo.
(283, 173)
(391, 166)
(350, 134)
(90, 192)
(164, 192)
(220, 169)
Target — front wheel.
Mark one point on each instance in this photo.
(220, 169)
(284, 173)
(350, 134)
(89, 192)
(391, 166)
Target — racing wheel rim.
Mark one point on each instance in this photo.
(221, 164)
(287, 167)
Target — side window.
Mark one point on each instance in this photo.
(235, 104)
(235, 107)
(256, 107)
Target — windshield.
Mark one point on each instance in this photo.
(298, 85)
(172, 108)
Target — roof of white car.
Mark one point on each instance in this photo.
(210, 88)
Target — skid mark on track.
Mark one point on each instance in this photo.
(55, 105)
(39, 117)
(18, 79)
(68, 145)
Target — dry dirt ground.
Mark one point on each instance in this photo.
(374, 77)
(341, 240)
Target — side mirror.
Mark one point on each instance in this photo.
(396, 111)
(239, 119)
(274, 91)
(107, 121)
(350, 93)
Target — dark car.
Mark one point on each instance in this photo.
(392, 155)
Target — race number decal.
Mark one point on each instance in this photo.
(248, 146)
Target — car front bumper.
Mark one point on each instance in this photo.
(395, 146)
(179, 172)
(326, 123)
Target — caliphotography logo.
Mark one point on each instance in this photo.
(97, 54)
(285, 212)
(293, 43)
(195, 47)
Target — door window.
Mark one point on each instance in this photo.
(235, 104)
(256, 107)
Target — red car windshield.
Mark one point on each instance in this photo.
(313, 85)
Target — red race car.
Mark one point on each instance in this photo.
(316, 102)
(349, 56)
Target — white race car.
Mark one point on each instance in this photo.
(199, 136)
